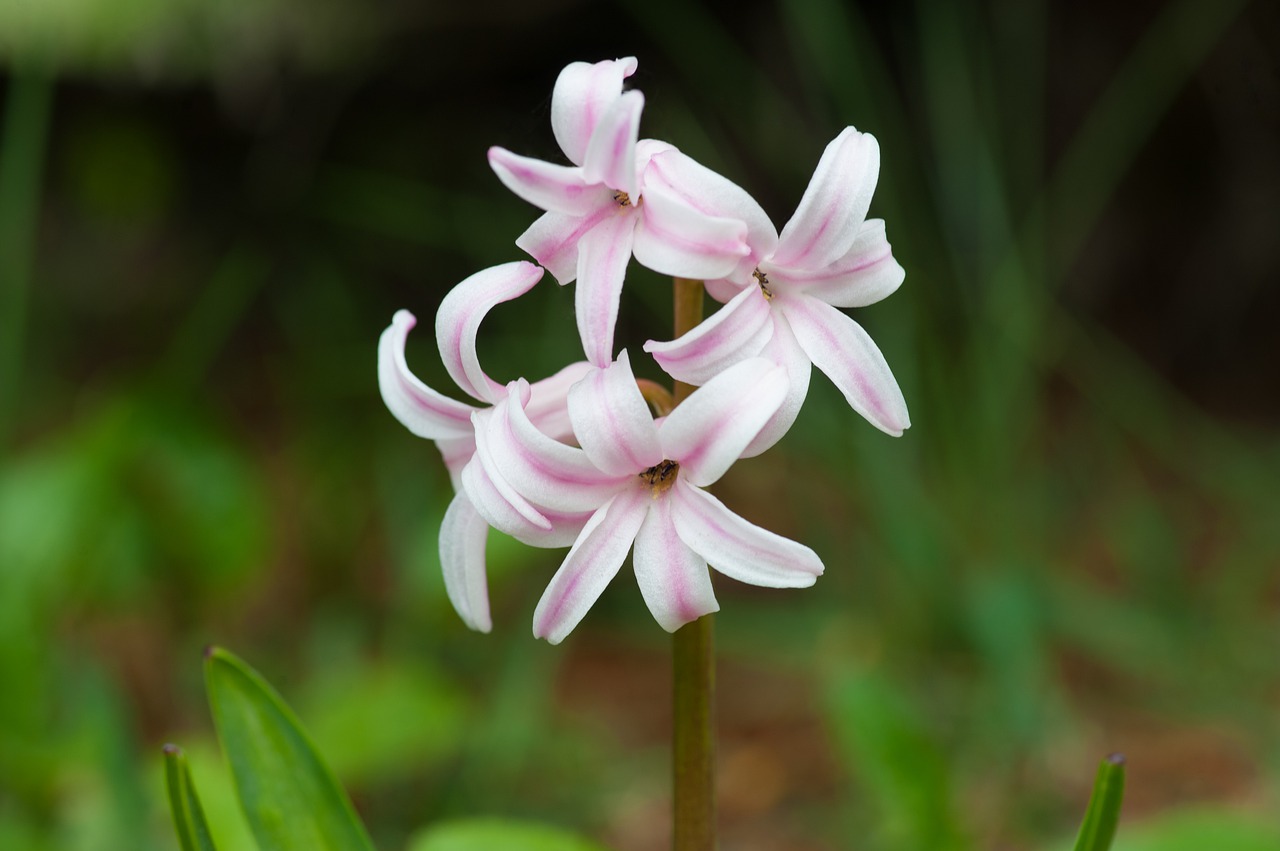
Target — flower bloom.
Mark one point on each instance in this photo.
(642, 482)
(782, 298)
(601, 210)
(448, 422)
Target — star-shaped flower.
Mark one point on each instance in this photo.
(601, 210)
(782, 298)
(642, 480)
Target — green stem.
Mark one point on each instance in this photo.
(694, 676)
(26, 123)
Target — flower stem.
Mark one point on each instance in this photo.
(694, 675)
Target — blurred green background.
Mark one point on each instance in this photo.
(210, 210)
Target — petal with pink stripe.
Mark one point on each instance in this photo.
(559, 188)
(735, 332)
(582, 94)
(462, 543)
(867, 274)
(603, 253)
(673, 579)
(420, 409)
(611, 154)
(612, 422)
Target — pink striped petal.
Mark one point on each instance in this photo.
(783, 350)
(867, 274)
(611, 154)
(834, 205)
(494, 497)
(459, 317)
(675, 239)
(560, 530)
(590, 565)
(673, 579)
(735, 332)
(583, 93)
(548, 406)
(603, 254)
(839, 347)
(707, 432)
(612, 422)
(712, 195)
(456, 452)
(463, 535)
(420, 409)
(558, 188)
(553, 238)
(546, 472)
(739, 549)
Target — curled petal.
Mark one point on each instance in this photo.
(582, 94)
(546, 472)
(867, 274)
(834, 205)
(675, 239)
(560, 530)
(612, 422)
(462, 542)
(739, 549)
(713, 195)
(456, 452)
(419, 408)
(611, 154)
(494, 497)
(839, 347)
(674, 579)
(559, 188)
(708, 431)
(735, 332)
(553, 238)
(590, 565)
(783, 350)
(603, 253)
(459, 317)
(548, 407)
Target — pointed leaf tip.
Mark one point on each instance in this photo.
(1103, 814)
(184, 804)
(290, 797)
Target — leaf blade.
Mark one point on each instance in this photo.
(1103, 813)
(290, 797)
(184, 803)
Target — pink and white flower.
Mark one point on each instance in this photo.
(642, 482)
(449, 423)
(781, 300)
(601, 210)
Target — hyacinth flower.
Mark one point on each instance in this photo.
(642, 482)
(601, 210)
(782, 299)
(448, 422)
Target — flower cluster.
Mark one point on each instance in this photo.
(579, 459)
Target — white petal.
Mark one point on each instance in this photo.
(419, 408)
(713, 195)
(834, 205)
(612, 422)
(735, 332)
(783, 350)
(611, 154)
(867, 274)
(675, 239)
(674, 580)
(553, 238)
(546, 472)
(708, 431)
(603, 254)
(548, 406)
(584, 92)
(559, 188)
(456, 452)
(739, 549)
(839, 347)
(459, 317)
(560, 529)
(494, 497)
(462, 542)
(591, 564)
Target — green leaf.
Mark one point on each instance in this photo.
(188, 815)
(289, 796)
(1099, 826)
(487, 834)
